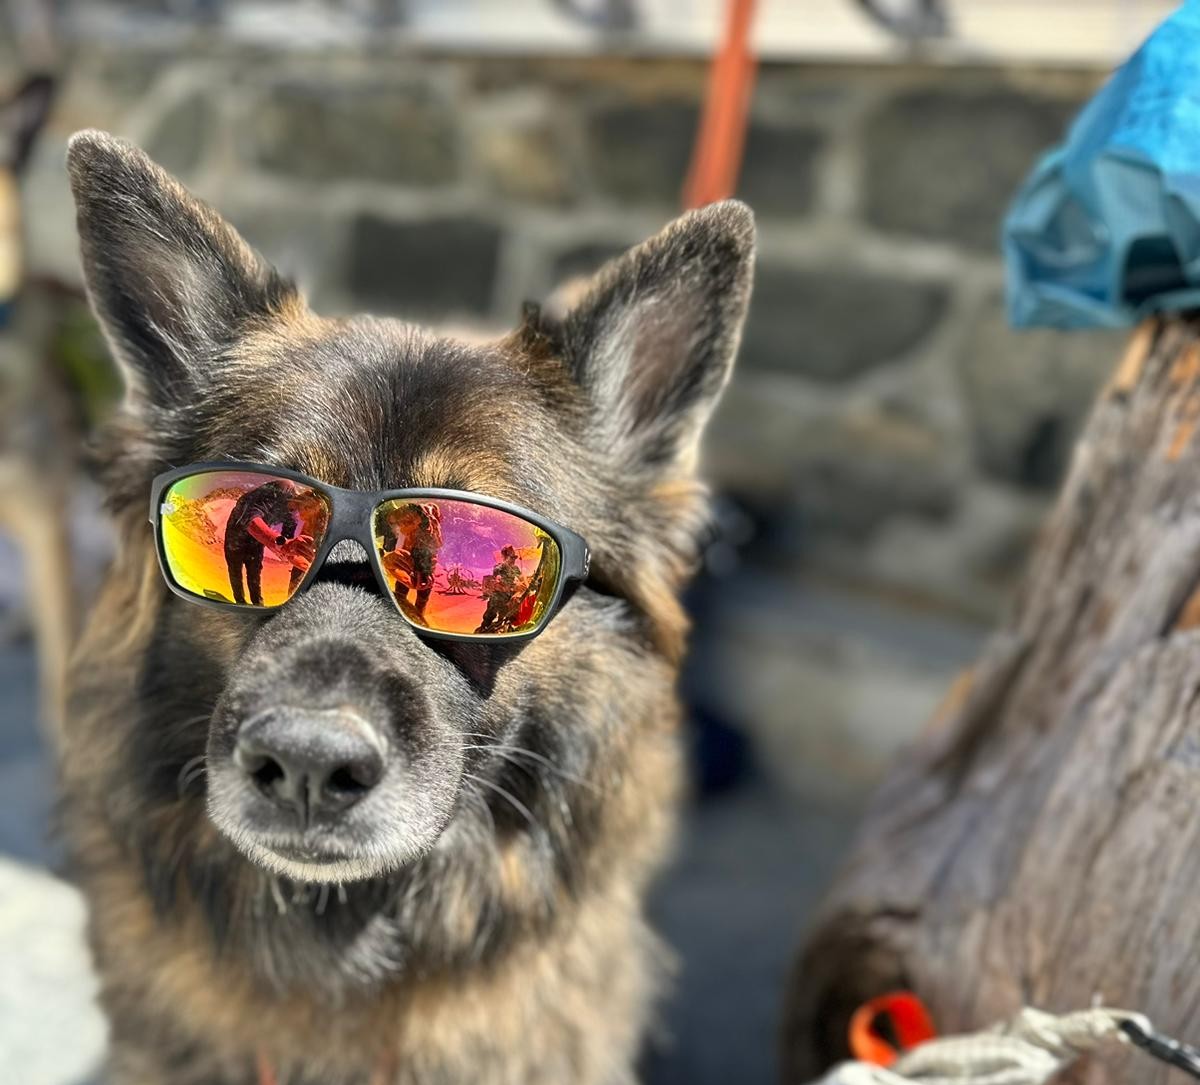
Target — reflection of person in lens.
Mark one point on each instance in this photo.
(412, 537)
(280, 516)
(502, 590)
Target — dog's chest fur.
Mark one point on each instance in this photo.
(556, 994)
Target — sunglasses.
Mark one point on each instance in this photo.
(458, 565)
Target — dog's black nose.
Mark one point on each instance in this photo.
(310, 762)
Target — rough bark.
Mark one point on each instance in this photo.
(1041, 843)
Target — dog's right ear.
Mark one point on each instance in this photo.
(651, 337)
(172, 283)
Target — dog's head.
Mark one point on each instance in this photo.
(590, 417)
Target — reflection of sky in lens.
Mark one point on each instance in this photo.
(475, 535)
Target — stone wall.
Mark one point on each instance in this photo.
(885, 433)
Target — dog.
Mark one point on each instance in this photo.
(477, 915)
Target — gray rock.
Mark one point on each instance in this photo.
(305, 244)
(856, 470)
(640, 152)
(819, 471)
(180, 138)
(1028, 392)
(944, 162)
(779, 168)
(124, 75)
(398, 132)
(808, 89)
(51, 241)
(431, 267)
(835, 323)
(968, 563)
(523, 158)
(829, 684)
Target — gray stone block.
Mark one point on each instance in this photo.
(943, 163)
(779, 169)
(523, 158)
(126, 75)
(968, 563)
(835, 323)
(431, 267)
(856, 470)
(823, 470)
(1028, 392)
(180, 138)
(304, 243)
(829, 684)
(400, 133)
(639, 152)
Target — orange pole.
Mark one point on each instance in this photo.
(266, 1076)
(720, 141)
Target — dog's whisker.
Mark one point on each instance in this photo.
(504, 749)
(191, 771)
(277, 893)
(478, 797)
(509, 797)
(190, 721)
(529, 770)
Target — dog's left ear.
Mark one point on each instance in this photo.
(653, 339)
(173, 284)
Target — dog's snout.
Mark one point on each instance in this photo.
(311, 762)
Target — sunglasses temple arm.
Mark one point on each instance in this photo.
(577, 558)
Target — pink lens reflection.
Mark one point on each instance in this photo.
(458, 567)
(241, 537)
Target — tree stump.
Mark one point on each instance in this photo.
(1040, 844)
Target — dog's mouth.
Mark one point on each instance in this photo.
(300, 851)
(309, 860)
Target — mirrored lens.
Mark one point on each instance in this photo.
(457, 567)
(240, 536)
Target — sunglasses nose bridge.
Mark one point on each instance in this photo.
(351, 521)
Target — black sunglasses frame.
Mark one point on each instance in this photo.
(351, 516)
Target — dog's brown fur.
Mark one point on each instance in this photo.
(513, 948)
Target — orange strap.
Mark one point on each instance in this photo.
(266, 1076)
(884, 1028)
(717, 156)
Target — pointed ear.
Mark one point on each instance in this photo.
(654, 336)
(172, 283)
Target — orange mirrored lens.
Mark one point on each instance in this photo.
(457, 567)
(241, 537)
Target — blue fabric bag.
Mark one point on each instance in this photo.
(1107, 226)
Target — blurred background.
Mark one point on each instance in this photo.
(881, 461)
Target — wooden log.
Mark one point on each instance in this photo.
(1040, 844)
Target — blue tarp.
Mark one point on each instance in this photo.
(1107, 226)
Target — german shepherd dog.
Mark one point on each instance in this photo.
(476, 915)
